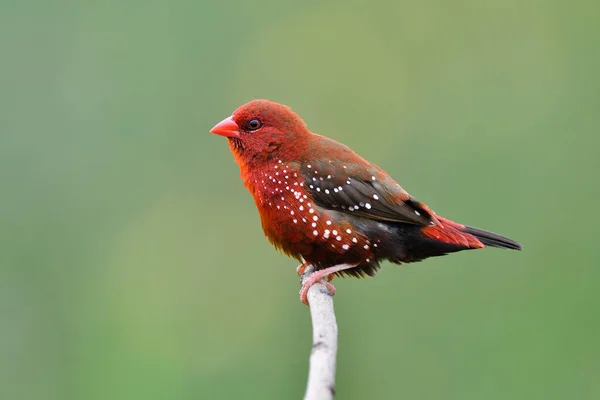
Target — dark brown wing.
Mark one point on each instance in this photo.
(364, 191)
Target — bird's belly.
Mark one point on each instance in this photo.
(288, 228)
(322, 237)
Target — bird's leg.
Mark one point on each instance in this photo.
(318, 276)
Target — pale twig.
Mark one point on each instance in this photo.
(321, 373)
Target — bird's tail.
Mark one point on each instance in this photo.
(492, 239)
(466, 236)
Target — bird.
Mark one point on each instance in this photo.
(324, 205)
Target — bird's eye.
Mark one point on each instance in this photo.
(253, 124)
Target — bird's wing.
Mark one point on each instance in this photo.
(363, 190)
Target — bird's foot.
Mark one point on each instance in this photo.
(323, 276)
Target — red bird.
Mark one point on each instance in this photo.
(324, 205)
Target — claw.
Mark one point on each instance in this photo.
(309, 282)
(329, 287)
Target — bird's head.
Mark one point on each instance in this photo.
(262, 130)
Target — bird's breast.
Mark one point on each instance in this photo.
(285, 208)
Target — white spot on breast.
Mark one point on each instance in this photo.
(316, 232)
(367, 206)
(315, 218)
(314, 224)
(368, 260)
(366, 246)
(376, 197)
(355, 240)
(308, 166)
(328, 222)
(311, 211)
(318, 189)
(328, 176)
(375, 245)
(338, 238)
(292, 212)
(334, 232)
(301, 208)
(295, 221)
(326, 234)
(348, 230)
(326, 191)
(345, 247)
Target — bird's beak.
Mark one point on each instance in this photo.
(227, 128)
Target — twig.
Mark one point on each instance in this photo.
(321, 373)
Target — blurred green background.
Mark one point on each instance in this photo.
(132, 262)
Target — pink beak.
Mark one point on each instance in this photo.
(227, 128)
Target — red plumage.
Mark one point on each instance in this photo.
(322, 203)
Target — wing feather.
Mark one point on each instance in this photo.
(364, 191)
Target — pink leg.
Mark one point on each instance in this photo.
(318, 276)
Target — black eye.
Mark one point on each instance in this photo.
(253, 124)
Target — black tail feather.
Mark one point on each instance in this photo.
(492, 239)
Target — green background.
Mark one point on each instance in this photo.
(132, 262)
